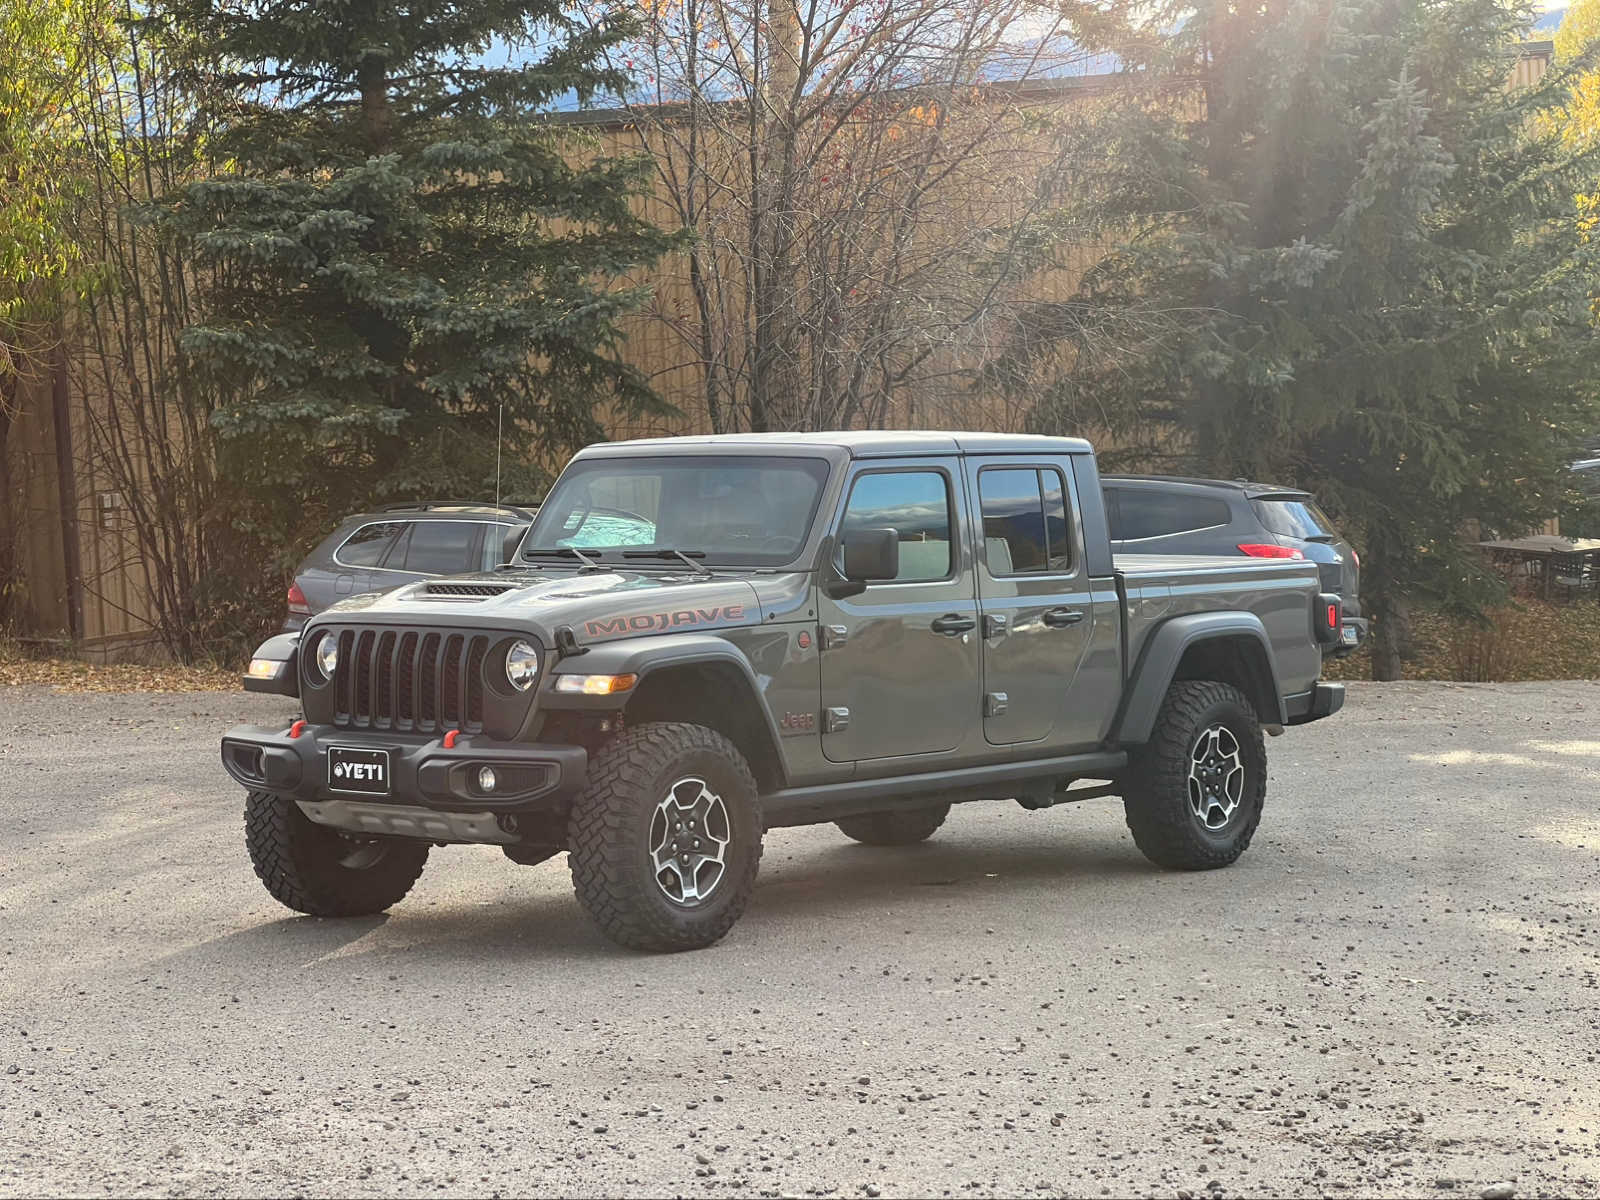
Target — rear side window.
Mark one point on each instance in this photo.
(367, 545)
(914, 503)
(1294, 516)
(442, 547)
(1024, 520)
(1137, 513)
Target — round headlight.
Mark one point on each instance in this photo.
(522, 665)
(327, 655)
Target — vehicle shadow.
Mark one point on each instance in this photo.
(800, 888)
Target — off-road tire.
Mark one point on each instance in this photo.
(1155, 795)
(300, 861)
(609, 836)
(895, 827)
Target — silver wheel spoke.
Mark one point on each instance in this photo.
(689, 837)
(1216, 777)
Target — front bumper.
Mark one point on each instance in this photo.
(423, 774)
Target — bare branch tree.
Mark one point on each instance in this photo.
(858, 175)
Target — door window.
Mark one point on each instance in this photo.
(367, 545)
(1138, 513)
(1025, 528)
(442, 547)
(916, 504)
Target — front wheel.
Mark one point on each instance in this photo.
(665, 840)
(319, 871)
(1193, 794)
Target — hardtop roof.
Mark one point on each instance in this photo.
(868, 443)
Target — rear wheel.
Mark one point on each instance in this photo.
(665, 840)
(1193, 794)
(320, 871)
(896, 827)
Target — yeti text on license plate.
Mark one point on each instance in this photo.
(358, 770)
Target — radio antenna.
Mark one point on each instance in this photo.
(499, 438)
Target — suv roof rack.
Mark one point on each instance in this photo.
(526, 514)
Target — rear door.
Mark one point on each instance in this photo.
(1034, 599)
(900, 664)
(437, 547)
(1169, 518)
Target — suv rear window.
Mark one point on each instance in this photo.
(1137, 513)
(365, 547)
(1294, 516)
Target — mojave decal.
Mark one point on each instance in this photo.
(660, 622)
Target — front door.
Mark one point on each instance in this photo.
(1035, 600)
(900, 662)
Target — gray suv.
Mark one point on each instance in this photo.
(403, 543)
(1169, 514)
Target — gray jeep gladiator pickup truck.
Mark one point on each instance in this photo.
(706, 638)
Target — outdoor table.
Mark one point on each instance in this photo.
(1542, 548)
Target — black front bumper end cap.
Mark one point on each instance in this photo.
(422, 771)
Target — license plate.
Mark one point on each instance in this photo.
(352, 769)
(1349, 635)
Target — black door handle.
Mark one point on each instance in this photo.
(953, 623)
(1060, 618)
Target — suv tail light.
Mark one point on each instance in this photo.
(297, 601)
(1261, 550)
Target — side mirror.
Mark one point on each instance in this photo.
(871, 554)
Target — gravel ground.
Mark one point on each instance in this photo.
(1395, 992)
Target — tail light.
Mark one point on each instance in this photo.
(1329, 617)
(1355, 558)
(297, 601)
(1262, 550)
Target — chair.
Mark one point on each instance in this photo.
(1573, 573)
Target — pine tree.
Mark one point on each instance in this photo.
(1376, 241)
(406, 243)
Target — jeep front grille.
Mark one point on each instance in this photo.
(409, 679)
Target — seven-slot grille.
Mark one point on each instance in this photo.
(409, 679)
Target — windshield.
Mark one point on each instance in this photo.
(1296, 517)
(736, 511)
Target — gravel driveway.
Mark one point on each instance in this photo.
(1395, 992)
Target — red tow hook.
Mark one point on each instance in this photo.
(450, 739)
(296, 728)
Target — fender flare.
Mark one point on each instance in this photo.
(1158, 665)
(281, 648)
(646, 656)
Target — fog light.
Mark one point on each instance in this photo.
(486, 780)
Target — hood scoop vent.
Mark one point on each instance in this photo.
(468, 591)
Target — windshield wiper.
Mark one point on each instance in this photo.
(687, 556)
(589, 564)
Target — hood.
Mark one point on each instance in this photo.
(599, 606)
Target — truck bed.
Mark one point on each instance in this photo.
(1277, 590)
